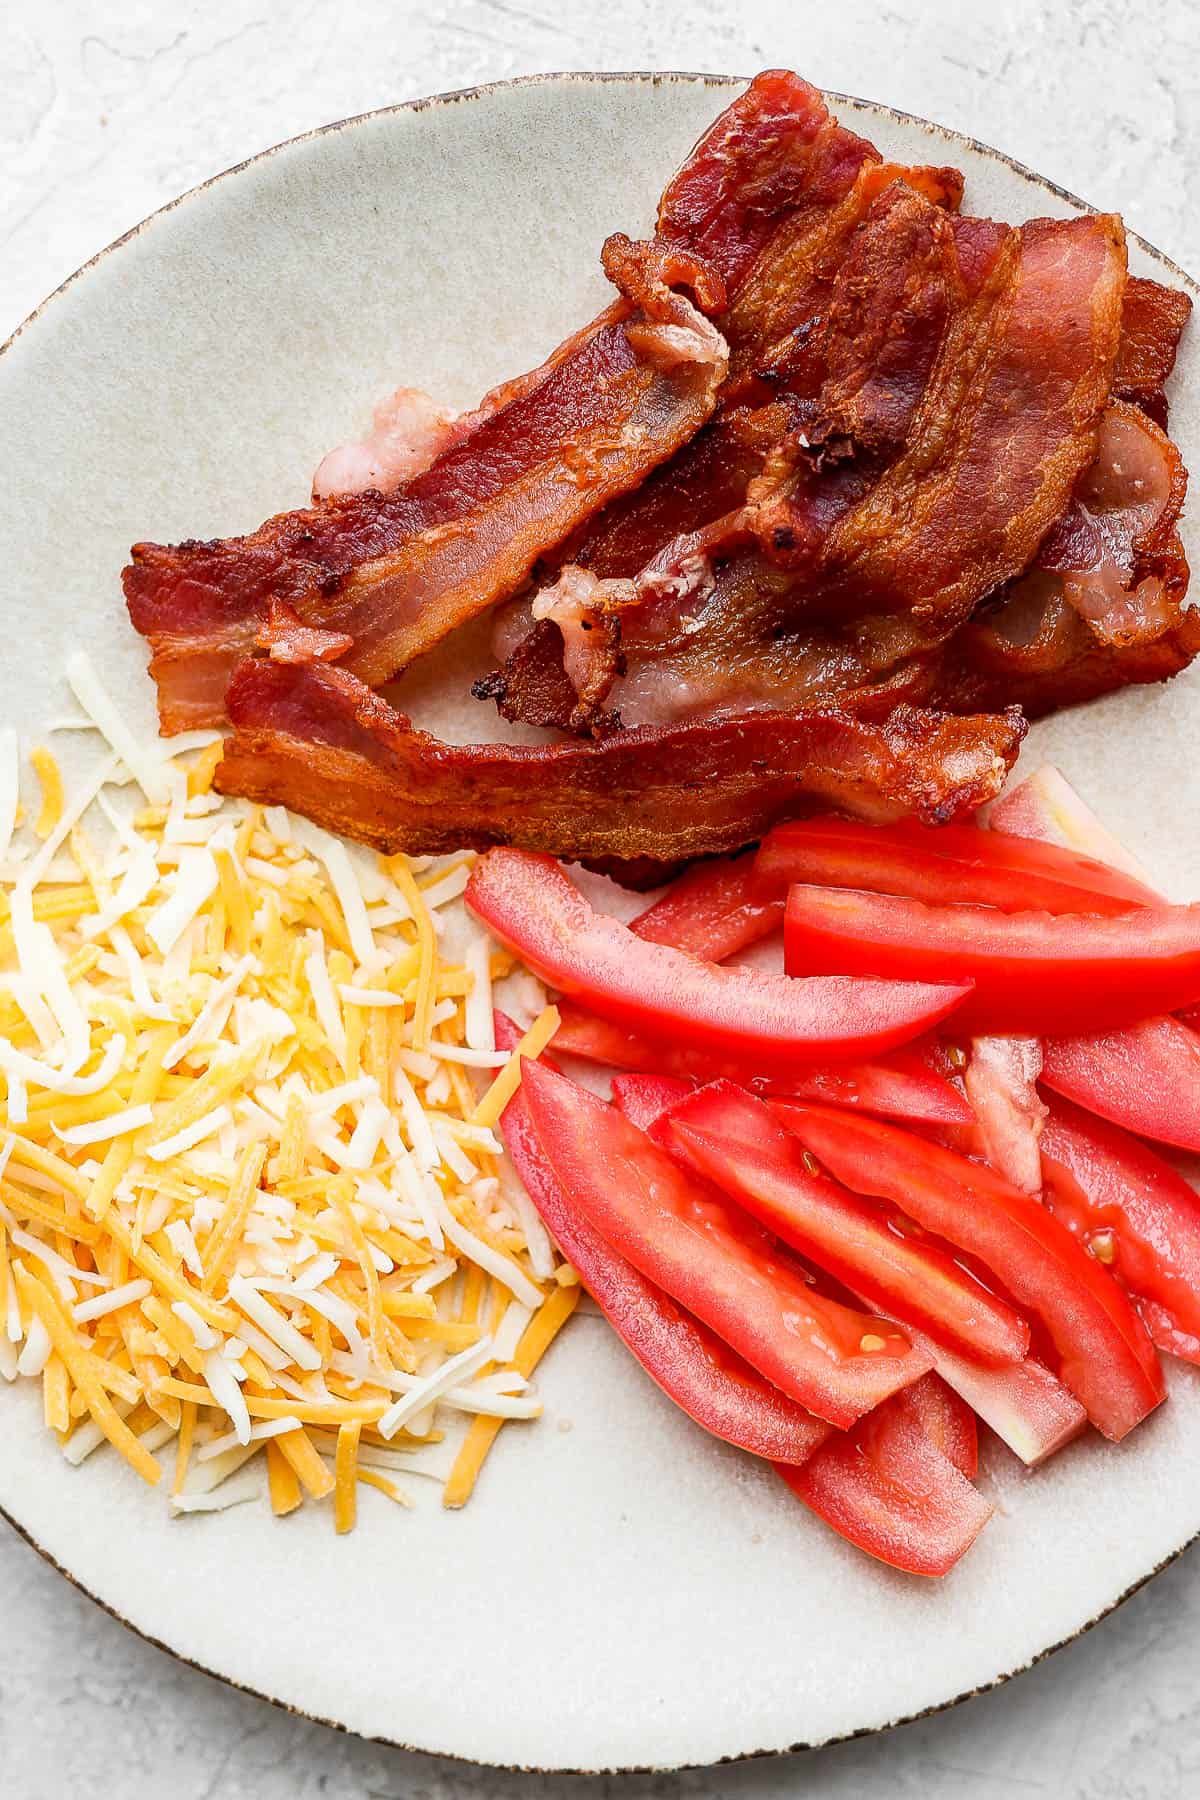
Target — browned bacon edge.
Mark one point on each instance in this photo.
(1152, 323)
(314, 738)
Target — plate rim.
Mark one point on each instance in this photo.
(423, 103)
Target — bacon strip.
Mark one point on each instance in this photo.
(1152, 323)
(396, 572)
(314, 738)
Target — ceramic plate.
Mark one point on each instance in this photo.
(621, 1591)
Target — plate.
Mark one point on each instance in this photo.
(621, 1591)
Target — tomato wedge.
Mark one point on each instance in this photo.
(643, 1099)
(889, 1488)
(947, 1422)
(1034, 974)
(1134, 1212)
(944, 863)
(1001, 1083)
(776, 1024)
(904, 1084)
(1026, 1406)
(712, 912)
(1045, 806)
(731, 1139)
(1146, 1078)
(1106, 1358)
(713, 1260)
(689, 1363)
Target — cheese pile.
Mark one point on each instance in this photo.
(253, 1211)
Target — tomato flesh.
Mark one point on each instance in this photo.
(731, 1139)
(944, 863)
(1033, 974)
(714, 1261)
(904, 1084)
(772, 1022)
(712, 912)
(889, 1488)
(643, 1099)
(1146, 1078)
(691, 1365)
(1105, 1356)
(1136, 1212)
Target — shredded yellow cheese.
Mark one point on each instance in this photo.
(249, 1183)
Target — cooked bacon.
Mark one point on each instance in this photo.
(395, 572)
(1103, 607)
(408, 431)
(315, 738)
(1152, 323)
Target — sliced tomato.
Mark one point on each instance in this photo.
(1106, 1358)
(889, 1488)
(1046, 807)
(1136, 1215)
(942, 864)
(904, 1084)
(1001, 1083)
(730, 1138)
(1146, 1078)
(691, 1365)
(643, 1099)
(773, 1023)
(713, 911)
(1026, 1406)
(713, 1260)
(1034, 974)
(947, 1422)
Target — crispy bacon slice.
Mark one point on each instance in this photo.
(1152, 323)
(314, 738)
(396, 572)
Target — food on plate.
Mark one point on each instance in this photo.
(253, 1230)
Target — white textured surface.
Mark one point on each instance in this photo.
(1076, 92)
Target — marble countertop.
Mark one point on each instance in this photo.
(107, 113)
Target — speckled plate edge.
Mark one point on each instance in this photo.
(954, 140)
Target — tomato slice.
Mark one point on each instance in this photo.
(944, 863)
(890, 1488)
(1045, 806)
(731, 1139)
(691, 1365)
(947, 1422)
(1026, 1406)
(1034, 974)
(1001, 1083)
(774, 1023)
(712, 912)
(1135, 1213)
(1146, 1078)
(713, 1260)
(643, 1099)
(904, 1084)
(1106, 1358)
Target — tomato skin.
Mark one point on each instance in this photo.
(1111, 1190)
(712, 911)
(904, 1084)
(942, 864)
(643, 1099)
(1034, 974)
(890, 1489)
(731, 1139)
(1106, 1358)
(712, 1260)
(530, 905)
(691, 1365)
(1146, 1078)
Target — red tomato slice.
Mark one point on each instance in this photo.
(944, 863)
(713, 1260)
(947, 1422)
(1001, 1083)
(1045, 806)
(1034, 974)
(905, 1084)
(1026, 1406)
(776, 1024)
(712, 912)
(1106, 1358)
(1146, 1078)
(890, 1489)
(689, 1363)
(730, 1138)
(1133, 1211)
(643, 1099)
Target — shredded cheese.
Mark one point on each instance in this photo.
(252, 1206)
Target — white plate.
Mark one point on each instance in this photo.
(621, 1591)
